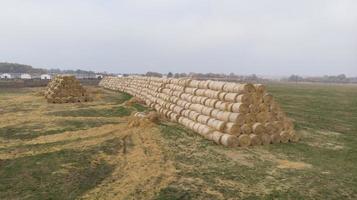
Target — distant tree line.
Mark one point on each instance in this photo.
(20, 68)
(215, 76)
(342, 78)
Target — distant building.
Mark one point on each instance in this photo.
(25, 76)
(45, 77)
(120, 75)
(5, 76)
(98, 76)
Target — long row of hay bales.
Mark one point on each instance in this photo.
(227, 113)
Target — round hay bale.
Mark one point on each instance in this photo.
(260, 88)
(237, 118)
(203, 84)
(223, 116)
(250, 118)
(229, 140)
(294, 136)
(275, 138)
(197, 107)
(278, 125)
(216, 85)
(216, 137)
(262, 117)
(222, 95)
(203, 100)
(247, 87)
(239, 108)
(255, 140)
(288, 124)
(212, 94)
(268, 99)
(200, 92)
(244, 140)
(222, 105)
(284, 137)
(253, 108)
(274, 107)
(203, 119)
(270, 128)
(173, 117)
(196, 127)
(246, 129)
(214, 113)
(204, 131)
(265, 138)
(193, 115)
(258, 128)
(210, 103)
(187, 105)
(194, 83)
(216, 124)
(263, 107)
(231, 97)
(207, 111)
(244, 98)
(178, 109)
(232, 128)
(229, 87)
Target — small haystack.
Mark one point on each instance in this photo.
(66, 89)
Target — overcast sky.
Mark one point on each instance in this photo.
(274, 38)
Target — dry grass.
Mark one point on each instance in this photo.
(61, 152)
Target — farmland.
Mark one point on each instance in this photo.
(87, 151)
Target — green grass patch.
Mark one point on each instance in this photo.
(64, 174)
(113, 97)
(118, 111)
(139, 107)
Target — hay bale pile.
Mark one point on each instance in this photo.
(66, 89)
(227, 113)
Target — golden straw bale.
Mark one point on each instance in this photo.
(229, 140)
(216, 124)
(294, 136)
(240, 108)
(244, 98)
(216, 136)
(238, 118)
(255, 140)
(244, 140)
(232, 128)
(203, 119)
(265, 138)
(275, 138)
(258, 128)
(246, 129)
(253, 108)
(284, 136)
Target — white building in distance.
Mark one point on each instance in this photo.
(5, 76)
(45, 77)
(25, 76)
(98, 76)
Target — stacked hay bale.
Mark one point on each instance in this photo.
(66, 89)
(227, 113)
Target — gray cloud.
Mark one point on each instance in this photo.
(264, 37)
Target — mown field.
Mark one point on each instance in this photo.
(88, 151)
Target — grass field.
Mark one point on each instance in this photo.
(87, 151)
